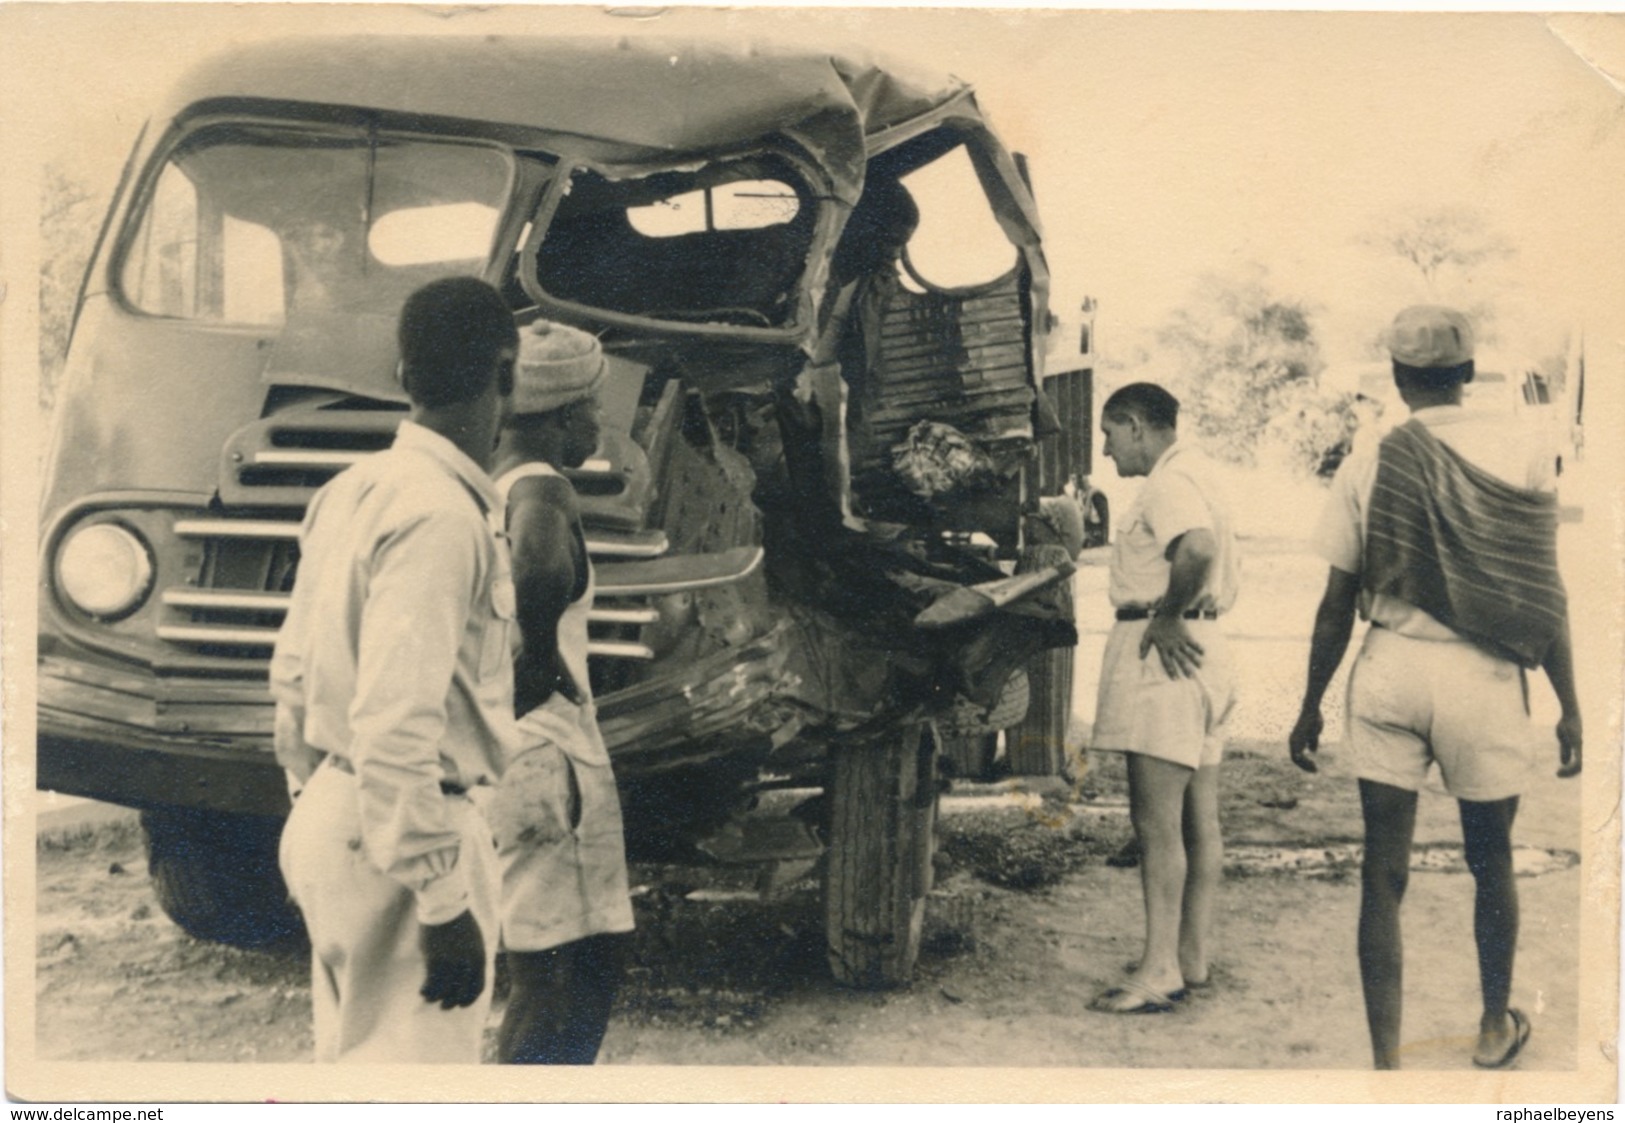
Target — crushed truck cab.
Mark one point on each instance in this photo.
(826, 446)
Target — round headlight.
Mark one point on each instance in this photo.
(104, 570)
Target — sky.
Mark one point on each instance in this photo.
(1163, 145)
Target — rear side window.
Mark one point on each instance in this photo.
(959, 242)
(752, 204)
(250, 224)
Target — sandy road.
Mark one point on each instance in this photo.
(1027, 922)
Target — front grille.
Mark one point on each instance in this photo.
(234, 601)
(242, 590)
(248, 573)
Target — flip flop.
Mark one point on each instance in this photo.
(1183, 992)
(1521, 1030)
(1148, 999)
(1191, 989)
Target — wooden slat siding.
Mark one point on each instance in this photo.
(959, 360)
(978, 363)
(974, 355)
(954, 385)
(906, 334)
(946, 382)
(902, 348)
(914, 307)
(955, 408)
(951, 385)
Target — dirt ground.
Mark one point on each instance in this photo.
(1027, 922)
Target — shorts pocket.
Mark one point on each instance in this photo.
(537, 802)
(1381, 688)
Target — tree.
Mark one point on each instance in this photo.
(69, 217)
(1246, 356)
(1453, 236)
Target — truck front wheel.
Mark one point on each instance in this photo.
(882, 821)
(215, 874)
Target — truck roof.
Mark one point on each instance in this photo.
(615, 102)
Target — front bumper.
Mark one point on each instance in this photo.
(143, 741)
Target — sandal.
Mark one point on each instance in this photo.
(1131, 997)
(1521, 1029)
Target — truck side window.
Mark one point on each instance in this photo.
(192, 261)
(160, 275)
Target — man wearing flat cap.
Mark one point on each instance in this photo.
(565, 903)
(1444, 537)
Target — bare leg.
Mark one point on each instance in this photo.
(1486, 830)
(1204, 856)
(1156, 805)
(1390, 823)
(559, 1005)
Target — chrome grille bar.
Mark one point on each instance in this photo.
(640, 546)
(650, 545)
(266, 637)
(226, 600)
(307, 458)
(619, 649)
(205, 633)
(236, 528)
(622, 616)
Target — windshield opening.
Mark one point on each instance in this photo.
(725, 244)
(252, 223)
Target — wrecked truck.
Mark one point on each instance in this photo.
(823, 511)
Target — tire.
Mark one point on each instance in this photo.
(966, 719)
(1036, 744)
(883, 810)
(215, 874)
(970, 756)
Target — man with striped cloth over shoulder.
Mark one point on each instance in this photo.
(1445, 538)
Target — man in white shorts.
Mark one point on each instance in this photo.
(565, 905)
(1445, 538)
(1174, 572)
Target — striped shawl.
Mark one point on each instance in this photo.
(1475, 553)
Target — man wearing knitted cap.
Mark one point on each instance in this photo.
(557, 817)
(393, 680)
(1445, 539)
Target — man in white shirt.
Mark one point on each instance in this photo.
(1444, 538)
(1175, 570)
(393, 678)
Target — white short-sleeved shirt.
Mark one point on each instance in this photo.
(1488, 439)
(1180, 494)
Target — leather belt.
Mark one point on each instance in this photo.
(1145, 614)
(344, 766)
